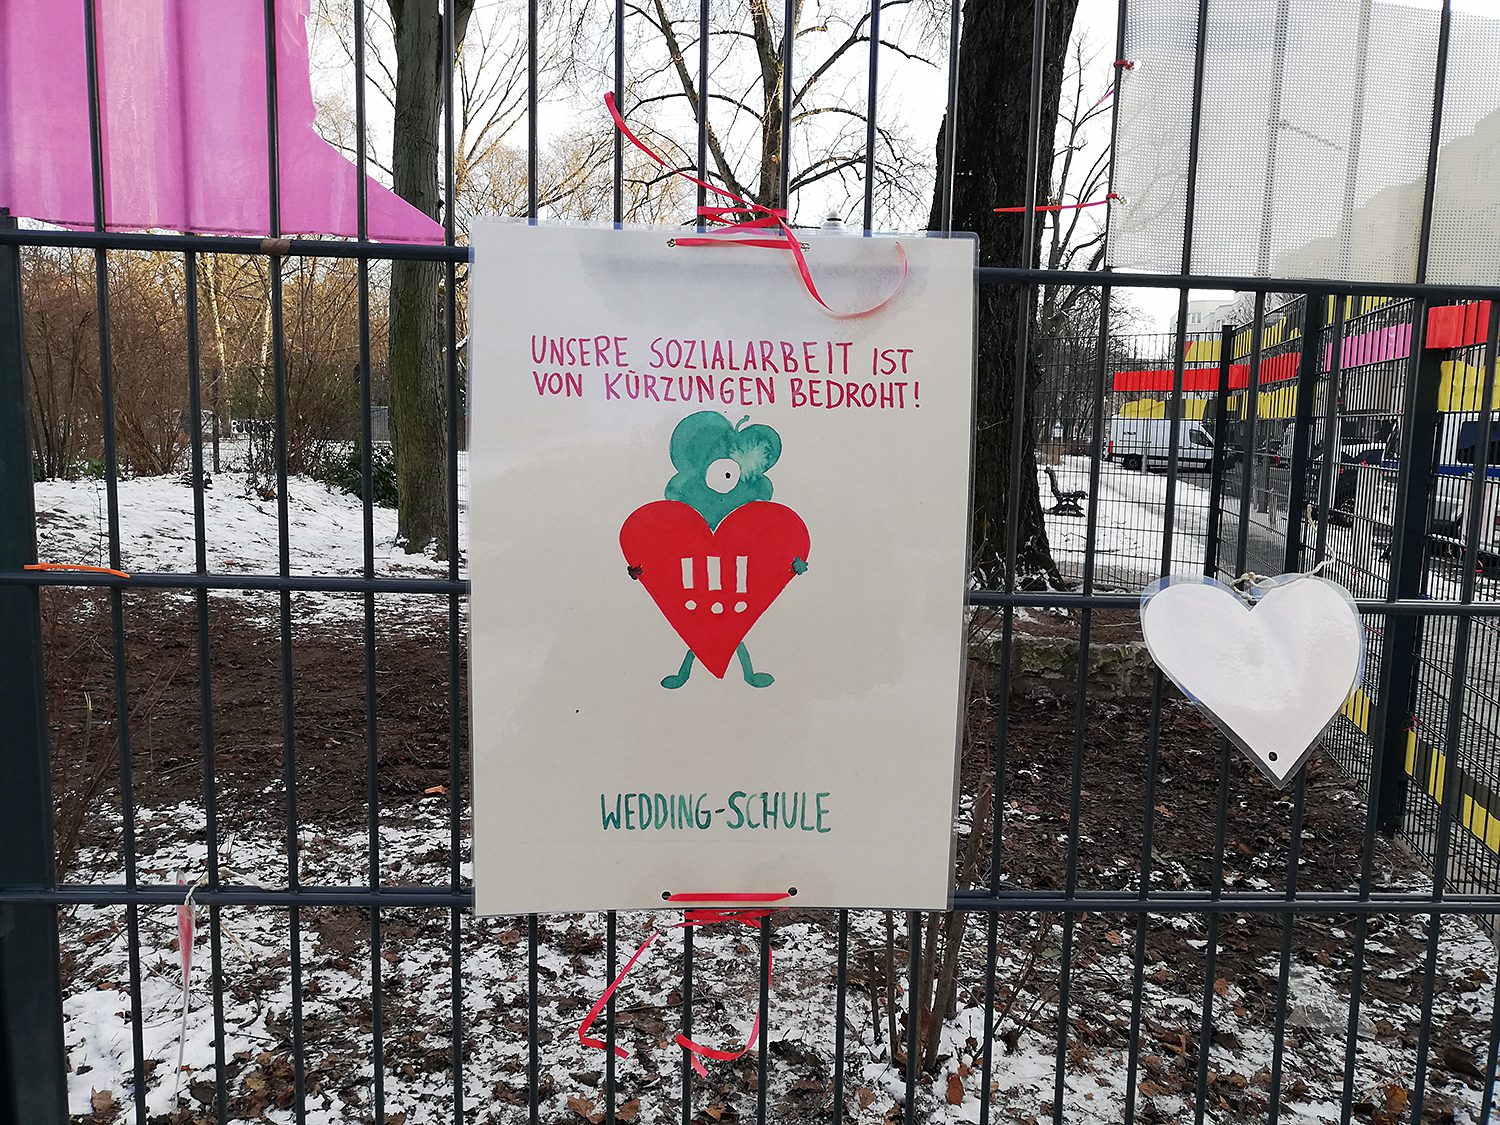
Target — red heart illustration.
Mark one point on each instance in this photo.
(713, 585)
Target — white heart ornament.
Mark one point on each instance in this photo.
(1271, 672)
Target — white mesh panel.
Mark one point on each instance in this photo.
(1313, 141)
(1465, 243)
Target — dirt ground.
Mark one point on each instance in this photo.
(1236, 957)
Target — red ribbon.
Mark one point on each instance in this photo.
(1112, 197)
(769, 217)
(701, 917)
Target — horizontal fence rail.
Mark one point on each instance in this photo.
(1110, 902)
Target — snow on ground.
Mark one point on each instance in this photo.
(415, 962)
(1130, 508)
(325, 531)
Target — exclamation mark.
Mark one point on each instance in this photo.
(687, 581)
(715, 581)
(741, 569)
(916, 393)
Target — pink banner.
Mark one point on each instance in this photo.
(182, 89)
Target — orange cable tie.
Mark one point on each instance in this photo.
(77, 566)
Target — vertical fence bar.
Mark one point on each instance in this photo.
(874, 78)
(1218, 467)
(987, 1048)
(1018, 420)
(617, 193)
(533, 146)
(1398, 665)
(274, 265)
(840, 1010)
(205, 680)
(454, 413)
(1397, 680)
(913, 1006)
(950, 126)
(1307, 385)
(1174, 429)
(33, 1064)
(116, 598)
(533, 1027)
(702, 122)
(763, 1044)
(1408, 549)
(1333, 447)
(1121, 12)
(1273, 137)
(788, 43)
(1080, 705)
(1249, 423)
(1211, 953)
(367, 521)
(684, 1063)
(611, 967)
(1448, 788)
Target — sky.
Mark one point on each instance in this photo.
(912, 98)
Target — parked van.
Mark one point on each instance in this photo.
(1138, 443)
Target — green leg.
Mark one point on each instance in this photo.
(752, 677)
(681, 677)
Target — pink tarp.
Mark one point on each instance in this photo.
(183, 111)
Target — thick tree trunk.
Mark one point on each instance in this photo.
(417, 402)
(994, 95)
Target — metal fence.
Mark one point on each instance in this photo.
(1066, 915)
(1249, 401)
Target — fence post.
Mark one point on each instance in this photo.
(1307, 388)
(1218, 467)
(1395, 698)
(33, 1087)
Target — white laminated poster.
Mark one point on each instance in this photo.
(718, 550)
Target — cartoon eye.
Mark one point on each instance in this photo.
(723, 475)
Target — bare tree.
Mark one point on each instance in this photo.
(1080, 181)
(61, 358)
(990, 157)
(745, 107)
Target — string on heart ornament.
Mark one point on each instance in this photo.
(696, 1052)
(1270, 666)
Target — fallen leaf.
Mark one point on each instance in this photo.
(955, 1090)
(1395, 1099)
(396, 1118)
(435, 791)
(580, 1105)
(628, 1111)
(102, 1101)
(714, 1111)
(866, 1097)
(1221, 986)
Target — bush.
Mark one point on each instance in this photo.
(343, 469)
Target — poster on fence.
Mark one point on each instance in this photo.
(718, 551)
